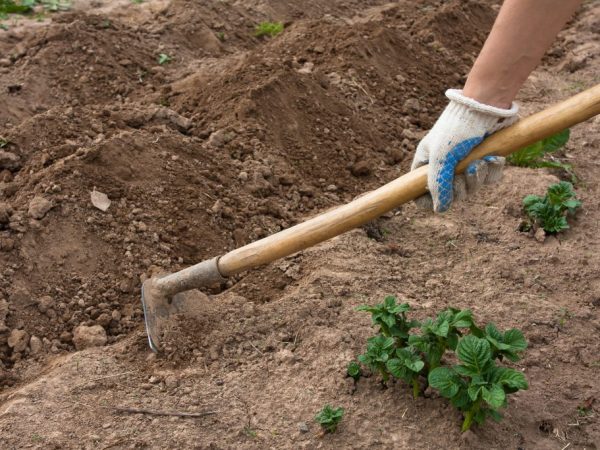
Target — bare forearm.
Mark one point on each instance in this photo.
(519, 38)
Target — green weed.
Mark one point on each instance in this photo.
(270, 29)
(163, 59)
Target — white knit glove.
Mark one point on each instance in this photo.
(461, 127)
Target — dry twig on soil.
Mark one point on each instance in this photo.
(162, 413)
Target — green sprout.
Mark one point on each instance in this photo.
(329, 418)
(270, 29)
(163, 59)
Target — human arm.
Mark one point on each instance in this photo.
(523, 31)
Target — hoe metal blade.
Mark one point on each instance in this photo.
(164, 299)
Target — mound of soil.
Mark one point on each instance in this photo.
(201, 155)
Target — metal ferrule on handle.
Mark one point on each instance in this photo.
(193, 277)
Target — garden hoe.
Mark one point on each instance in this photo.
(164, 298)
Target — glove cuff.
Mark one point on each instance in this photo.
(457, 96)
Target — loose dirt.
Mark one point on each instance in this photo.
(234, 139)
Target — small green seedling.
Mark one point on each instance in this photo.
(406, 365)
(163, 59)
(354, 371)
(220, 36)
(379, 350)
(329, 418)
(270, 29)
(534, 155)
(476, 386)
(550, 212)
(3, 142)
(391, 318)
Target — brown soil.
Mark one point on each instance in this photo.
(239, 137)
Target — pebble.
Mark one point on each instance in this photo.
(5, 212)
(306, 68)
(9, 161)
(45, 303)
(38, 207)
(85, 337)
(35, 345)
(285, 356)
(18, 340)
(171, 382)
(540, 235)
(303, 427)
(3, 311)
(220, 138)
(361, 169)
(412, 105)
(104, 319)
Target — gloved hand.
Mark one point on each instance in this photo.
(461, 127)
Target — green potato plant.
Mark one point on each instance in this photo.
(477, 386)
(329, 418)
(354, 371)
(551, 211)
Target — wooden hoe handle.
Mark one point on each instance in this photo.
(408, 187)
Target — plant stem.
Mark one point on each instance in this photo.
(468, 420)
(384, 375)
(469, 416)
(416, 388)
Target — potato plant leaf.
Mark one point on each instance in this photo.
(391, 318)
(533, 155)
(379, 349)
(505, 345)
(551, 210)
(354, 371)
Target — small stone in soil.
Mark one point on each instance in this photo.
(84, 336)
(17, 340)
(38, 207)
